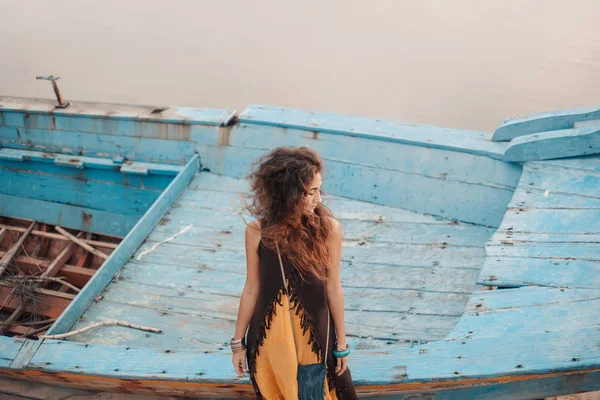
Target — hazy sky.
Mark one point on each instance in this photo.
(463, 63)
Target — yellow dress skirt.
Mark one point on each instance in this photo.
(277, 362)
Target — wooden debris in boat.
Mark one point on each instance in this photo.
(14, 249)
(103, 323)
(81, 243)
(43, 271)
(45, 279)
(56, 236)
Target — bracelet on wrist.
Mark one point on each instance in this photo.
(238, 345)
(341, 352)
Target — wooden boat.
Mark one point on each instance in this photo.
(471, 260)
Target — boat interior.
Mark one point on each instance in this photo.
(457, 244)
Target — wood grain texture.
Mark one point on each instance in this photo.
(554, 144)
(127, 247)
(542, 122)
(74, 217)
(382, 130)
(406, 275)
(550, 234)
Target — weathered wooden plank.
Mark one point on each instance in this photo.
(529, 296)
(562, 180)
(180, 328)
(538, 198)
(80, 243)
(483, 205)
(224, 277)
(104, 196)
(406, 287)
(588, 123)
(585, 163)
(541, 122)
(127, 247)
(81, 162)
(81, 114)
(77, 276)
(510, 236)
(554, 144)
(180, 325)
(9, 348)
(552, 220)
(382, 130)
(228, 200)
(97, 145)
(348, 209)
(213, 182)
(56, 236)
(454, 360)
(559, 272)
(206, 226)
(95, 175)
(554, 251)
(500, 388)
(15, 249)
(535, 319)
(413, 159)
(66, 215)
(374, 253)
(415, 255)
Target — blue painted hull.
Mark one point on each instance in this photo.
(466, 274)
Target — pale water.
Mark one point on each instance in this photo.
(464, 63)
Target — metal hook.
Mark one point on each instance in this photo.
(53, 79)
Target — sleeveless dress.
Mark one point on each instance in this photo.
(272, 356)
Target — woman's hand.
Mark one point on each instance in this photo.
(239, 363)
(342, 365)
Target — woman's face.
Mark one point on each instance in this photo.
(313, 196)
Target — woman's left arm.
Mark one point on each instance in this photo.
(335, 293)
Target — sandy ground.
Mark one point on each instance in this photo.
(20, 390)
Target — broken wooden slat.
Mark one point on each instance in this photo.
(3, 232)
(81, 243)
(36, 331)
(14, 249)
(43, 244)
(38, 323)
(77, 276)
(81, 262)
(60, 260)
(57, 236)
(55, 293)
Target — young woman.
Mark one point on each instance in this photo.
(292, 223)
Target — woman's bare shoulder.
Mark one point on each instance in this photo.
(336, 227)
(253, 231)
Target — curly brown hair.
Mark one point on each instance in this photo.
(278, 187)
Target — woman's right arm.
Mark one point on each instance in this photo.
(251, 287)
(250, 292)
